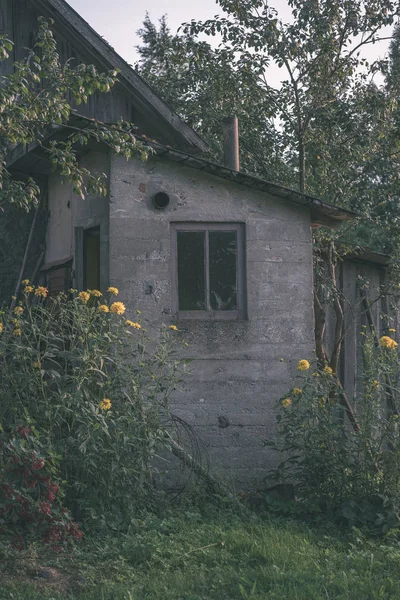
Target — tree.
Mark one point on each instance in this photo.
(320, 52)
(203, 86)
(34, 102)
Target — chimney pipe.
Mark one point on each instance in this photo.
(231, 142)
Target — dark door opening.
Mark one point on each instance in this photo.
(91, 254)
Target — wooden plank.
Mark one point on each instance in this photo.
(349, 349)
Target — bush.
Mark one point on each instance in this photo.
(350, 474)
(31, 495)
(94, 385)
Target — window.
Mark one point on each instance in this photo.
(208, 270)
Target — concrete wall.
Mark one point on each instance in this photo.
(67, 211)
(237, 375)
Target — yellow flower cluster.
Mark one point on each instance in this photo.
(36, 365)
(18, 310)
(17, 331)
(118, 308)
(95, 293)
(375, 383)
(173, 327)
(40, 291)
(286, 402)
(328, 370)
(387, 342)
(113, 290)
(132, 324)
(28, 289)
(296, 391)
(84, 297)
(391, 330)
(105, 404)
(25, 281)
(303, 365)
(103, 308)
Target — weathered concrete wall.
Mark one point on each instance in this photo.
(68, 211)
(237, 375)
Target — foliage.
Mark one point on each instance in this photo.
(31, 495)
(37, 99)
(209, 554)
(204, 86)
(350, 473)
(94, 385)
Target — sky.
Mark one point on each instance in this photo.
(119, 26)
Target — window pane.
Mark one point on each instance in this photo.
(191, 270)
(223, 276)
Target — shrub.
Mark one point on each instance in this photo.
(31, 494)
(94, 384)
(353, 474)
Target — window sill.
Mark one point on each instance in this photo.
(198, 315)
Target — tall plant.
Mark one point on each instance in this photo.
(354, 475)
(94, 385)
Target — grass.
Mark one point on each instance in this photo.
(213, 554)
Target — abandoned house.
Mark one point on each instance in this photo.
(225, 256)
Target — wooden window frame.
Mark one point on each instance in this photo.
(209, 314)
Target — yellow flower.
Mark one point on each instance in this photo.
(286, 402)
(105, 404)
(103, 308)
(328, 370)
(36, 365)
(95, 293)
(173, 327)
(1, 327)
(135, 325)
(41, 291)
(303, 365)
(387, 342)
(375, 383)
(25, 281)
(28, 289)
(118, 308)
(113, 290)
(296, 391)
(13, 297)
(18, 310)
(84, 297)
(17, 331)
(391, 330)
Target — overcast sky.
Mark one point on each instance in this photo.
(118, 20)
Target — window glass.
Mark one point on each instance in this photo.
(191, 270)
(222, 269)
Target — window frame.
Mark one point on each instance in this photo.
(210, 314)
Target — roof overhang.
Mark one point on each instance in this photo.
(32, 159)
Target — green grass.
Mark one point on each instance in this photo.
(215, 555)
